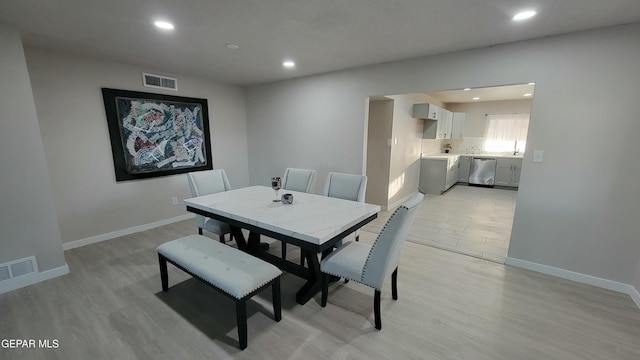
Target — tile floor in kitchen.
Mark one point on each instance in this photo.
(470, 220)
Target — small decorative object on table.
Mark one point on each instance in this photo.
(275, 185)
(446, 147)
(287, 198)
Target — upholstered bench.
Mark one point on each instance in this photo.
(228, 270)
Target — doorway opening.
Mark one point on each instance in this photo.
(403, 143)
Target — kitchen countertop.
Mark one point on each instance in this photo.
(441, 156)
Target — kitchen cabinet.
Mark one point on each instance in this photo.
(457, 124)
(453, 169)
(508, 171)
(439, 123)
(465, 166)
(426, 111)
(438, 175)
(443, 127)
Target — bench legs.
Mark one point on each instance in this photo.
(241, 304)
(164, 276)
(241, 312)
(277, 305)
(241, 319)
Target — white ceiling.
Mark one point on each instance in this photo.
(320, 35)
(494, 93)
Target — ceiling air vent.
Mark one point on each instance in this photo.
(159, 82)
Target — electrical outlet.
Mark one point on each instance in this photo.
(175, 200)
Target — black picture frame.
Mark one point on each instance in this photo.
(157, 135)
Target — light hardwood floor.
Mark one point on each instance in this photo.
(450, 306)
(469, 220)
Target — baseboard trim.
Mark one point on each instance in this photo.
(112, 235)
(635, 296)
(577, 277)
(32, 278)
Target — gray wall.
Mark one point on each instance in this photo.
(636, 280)
(70, 109)
(27, 215)
(576, 211)
(317, 124)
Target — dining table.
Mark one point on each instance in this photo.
(315, 223)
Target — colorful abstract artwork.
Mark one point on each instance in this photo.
(156, 135)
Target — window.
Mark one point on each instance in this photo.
(506, 132)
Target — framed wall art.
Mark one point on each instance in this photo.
(156, 135)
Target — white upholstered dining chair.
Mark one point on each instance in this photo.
(347, 187)
(205, 183)
(371, 265)
(301, 180)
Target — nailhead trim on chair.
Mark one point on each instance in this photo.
(364, 268)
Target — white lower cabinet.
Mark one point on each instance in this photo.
(508, 172)
(465, 166)
(438, 175)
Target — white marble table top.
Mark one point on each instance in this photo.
(312, 218)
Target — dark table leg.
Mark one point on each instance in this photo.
(313, 284)
(250, 246)
(236, 232)
(255, 245)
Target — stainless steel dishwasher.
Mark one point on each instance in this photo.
(483, 171)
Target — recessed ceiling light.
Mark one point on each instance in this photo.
(164, 25)
(524, 15)
(232, 46)
(527, 94)
(531, 83)
(288, 64)
(466, 89)
(476, 98)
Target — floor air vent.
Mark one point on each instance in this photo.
(17, 268)
(159, 82)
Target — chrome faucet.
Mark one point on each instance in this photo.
(515, 148)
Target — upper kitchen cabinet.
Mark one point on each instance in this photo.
(457, 125)
(449, 125)
(443, 127)
(427, 111)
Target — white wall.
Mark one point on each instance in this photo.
(380, 127)
(406, 149)
(576, 211)
(27, 215)
(88, 201)
(476, 120)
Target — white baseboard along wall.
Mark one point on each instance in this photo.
(577, 277)
(114, 234)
